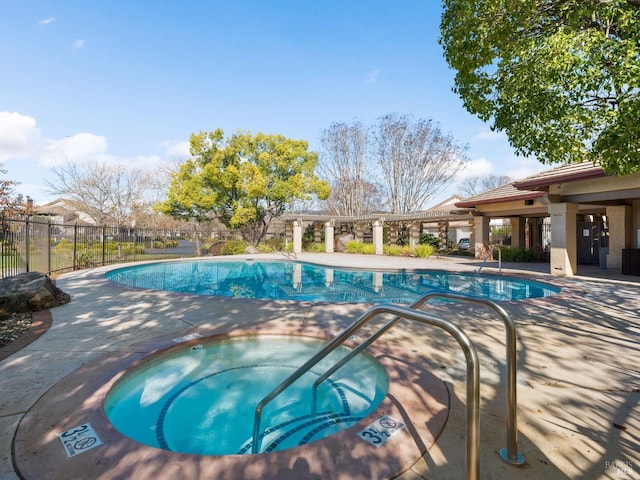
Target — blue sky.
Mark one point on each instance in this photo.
(129, 81)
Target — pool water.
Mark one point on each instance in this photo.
(201, 399)
(283, 280)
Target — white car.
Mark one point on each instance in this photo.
(463, 244)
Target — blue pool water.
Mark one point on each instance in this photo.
(201, 398)
(283, 280)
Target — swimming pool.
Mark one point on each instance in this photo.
(201, 399)
(286, 280)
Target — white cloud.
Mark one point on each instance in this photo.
(522, 167)
(78, 148)
(177, 150)
(372, 76)
(144, 162)
(47, 21)
(475, 168)
(490, 135)
(77, 44)
(18, 136)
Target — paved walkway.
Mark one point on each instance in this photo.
(578, 357)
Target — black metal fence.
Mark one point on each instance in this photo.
(38, 245)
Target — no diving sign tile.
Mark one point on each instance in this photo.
(381, 430)
(79, 439)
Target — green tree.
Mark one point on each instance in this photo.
(560, 77)
(12, 203)
(245, 181)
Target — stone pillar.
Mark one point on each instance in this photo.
(317, 233)
(378, 239)
(328, 237)
(297, 237)
(393, 234)
(359, 232)
(517, 232)
(288, 234)
(481, 237)
(414, 234)
(564, 257)
(443, 235)
(621, 233)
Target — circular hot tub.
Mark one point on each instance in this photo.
(201, 399)
(191, 405)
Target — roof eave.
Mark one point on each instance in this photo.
(488, 201)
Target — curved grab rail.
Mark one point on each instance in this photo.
(473, 375)
(486, 259)
(509, 454)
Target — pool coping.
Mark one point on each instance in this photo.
(416, 397)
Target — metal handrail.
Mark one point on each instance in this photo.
(486, 259)
(473, 375)
(509, 454)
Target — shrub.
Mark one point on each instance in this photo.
(368, 248)
(84, 258)
(353, 246)
(233, 247)
(316, 248)
(396, 250)
(132, 249)
(423, 251)
(514, 254)
(429, 239)
(273, 244)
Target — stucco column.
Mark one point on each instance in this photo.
(517, 232)
(472, 233)
(620, 221)
(481, 237)
(297, 237)
(563, 239)
(377, 237)
(328, 237)
(359, 232)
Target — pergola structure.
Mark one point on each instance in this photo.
(370, 227)
(565, 196)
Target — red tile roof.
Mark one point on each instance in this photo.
(506, 193)
(535, 185)
(564, 174)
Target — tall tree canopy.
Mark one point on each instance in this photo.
(109, 192)
(416, 159)
(560, 77)
(10, 202)
(245, 181)
(345, 163)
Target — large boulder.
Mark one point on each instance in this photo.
(342, 240)
(29, 292)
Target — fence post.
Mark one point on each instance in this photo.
(104, 246)
(75, 243)
(48, 246)
(27, 245)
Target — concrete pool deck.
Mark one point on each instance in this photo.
(578, 365)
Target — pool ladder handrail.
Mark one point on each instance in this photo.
(509, 454)
(488, 256)
(473, 375)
